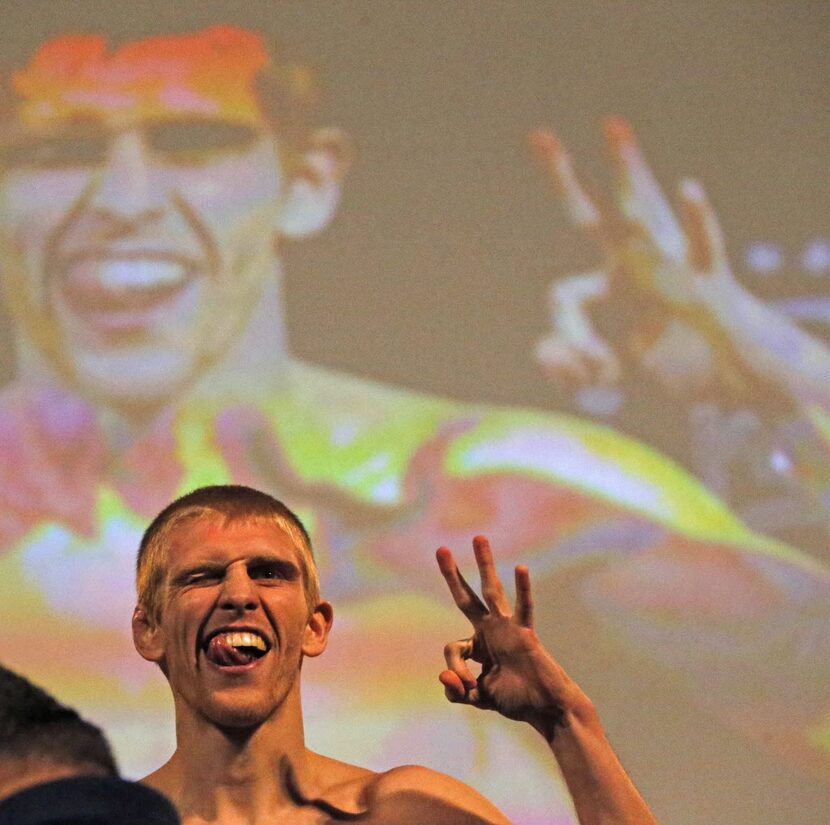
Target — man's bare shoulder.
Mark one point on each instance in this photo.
(407, 795)
(400, 796)
(414, 794)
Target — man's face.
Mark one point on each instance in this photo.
(234, 623)
(135, 250)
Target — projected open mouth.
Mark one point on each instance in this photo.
(235, 648)
(125, 291)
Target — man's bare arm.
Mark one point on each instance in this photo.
(522, 681)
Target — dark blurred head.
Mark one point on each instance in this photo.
(87, 800)
(41, 739)
(58, 769)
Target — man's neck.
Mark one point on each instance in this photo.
(235, 775)
(256, 360)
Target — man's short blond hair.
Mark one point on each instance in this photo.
(234, 503)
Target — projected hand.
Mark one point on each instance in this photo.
(642, 239)
(675, 268)
(518, 678)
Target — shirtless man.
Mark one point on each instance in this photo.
(229, 606)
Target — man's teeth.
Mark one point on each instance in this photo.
(245, 639)
(140, 274)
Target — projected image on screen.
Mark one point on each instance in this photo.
(149, 185)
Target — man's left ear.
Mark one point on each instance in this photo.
(317, 629)
(314, 188)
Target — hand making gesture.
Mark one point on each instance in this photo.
(643, 238)
(521, 680)
(660, 264)
(694, 325)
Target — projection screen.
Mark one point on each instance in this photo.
(552, 272)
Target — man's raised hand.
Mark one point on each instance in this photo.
(521, 680)
(518, 678)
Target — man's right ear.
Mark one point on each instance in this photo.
(313, 191)
(147, 636)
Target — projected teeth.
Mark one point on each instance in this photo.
(140, 274)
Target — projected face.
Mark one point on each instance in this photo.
(140, 194)
(136, 253)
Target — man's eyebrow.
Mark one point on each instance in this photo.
(183, 118)
(16, 137)
(58, 127)
(286, 566)
(199, 135)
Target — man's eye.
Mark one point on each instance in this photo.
(202, 577)
(198, 141)
(55, 152)
(269, 571)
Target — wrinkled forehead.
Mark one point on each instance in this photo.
(201, 529)
(209, 74)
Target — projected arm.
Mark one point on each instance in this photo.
(678, 269)
(522, 681)
(769, 343)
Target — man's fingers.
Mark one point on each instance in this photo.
(577, 365)
(579, 206)
(562, 361)
(524, 597)
(491, 587)
(455, 691)
(460, 685)
(453, 686)
(607, 367)
(456, 655)
(707, 251)
(639, 197)
(464, 596)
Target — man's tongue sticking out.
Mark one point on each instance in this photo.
(221, 652)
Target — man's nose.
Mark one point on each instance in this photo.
(125, 189)
(239, 593)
